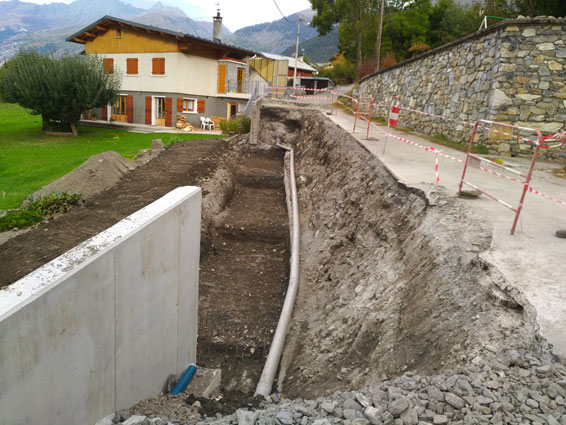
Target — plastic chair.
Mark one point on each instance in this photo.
(204, 124)
(210, 123)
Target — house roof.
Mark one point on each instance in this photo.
(100, 26)
(300, 64)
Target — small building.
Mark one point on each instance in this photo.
(277, 69)
(317, 83)
(166, 73)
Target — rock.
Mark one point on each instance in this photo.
(353, 404)
(349, 414)
(360, 421)
(544, 47)
(285, 417)
(499, 98)
(122, 415)
(410, 416)
(135, 420)
(321, 422)
(363, 400)
(156, 145)
(327, 407)
(396, 407)
(440, 419)
(373, 414)
(245, 417)
(454, 401)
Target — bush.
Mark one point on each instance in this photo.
(56, 203)
(19, 220)
(34, 211)
(241, 125)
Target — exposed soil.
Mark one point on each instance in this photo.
(244, 271)
(391, 277)
(182, 164)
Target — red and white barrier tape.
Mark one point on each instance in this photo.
(536, 192)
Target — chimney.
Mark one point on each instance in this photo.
(217, 27)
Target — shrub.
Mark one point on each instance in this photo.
(34, 211)
(240, 125)
(19, 219)
(56, 203)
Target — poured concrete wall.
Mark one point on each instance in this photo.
(102, 326)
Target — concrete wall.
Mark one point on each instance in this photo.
(513, 72)
(102, 326)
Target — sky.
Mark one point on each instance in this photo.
(236, 13)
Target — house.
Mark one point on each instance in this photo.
(166, 73)
(277, 69)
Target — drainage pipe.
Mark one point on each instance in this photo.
(268, 374)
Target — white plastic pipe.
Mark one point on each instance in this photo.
(268, 374)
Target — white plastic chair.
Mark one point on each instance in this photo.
(210, 123)
(204, 123)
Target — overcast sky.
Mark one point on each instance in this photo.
(236, 13)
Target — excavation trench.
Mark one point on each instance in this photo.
(391, 277)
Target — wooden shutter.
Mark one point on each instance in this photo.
(130, 108)
(158, 66)
(200, 106)
(168, 111)
(108, 65)
(104, 113)
(221, 78)
(132, 66)
(179, 104)
(148, 110)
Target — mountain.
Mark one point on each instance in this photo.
(45, 27)
(174, 19)
(274, 36)
(317, 49)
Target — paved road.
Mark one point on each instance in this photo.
(533, 260)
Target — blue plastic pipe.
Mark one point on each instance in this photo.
(185, 379)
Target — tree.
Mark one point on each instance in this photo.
(354, 17)
(57, 89)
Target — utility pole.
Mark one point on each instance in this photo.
(378, 50)
(297, 51)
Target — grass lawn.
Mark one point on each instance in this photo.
(29, 159)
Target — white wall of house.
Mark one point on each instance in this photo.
(184, 73)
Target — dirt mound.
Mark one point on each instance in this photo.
(183, 164)
(391, 277)
(95, 175)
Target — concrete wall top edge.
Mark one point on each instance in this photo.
(28, 288)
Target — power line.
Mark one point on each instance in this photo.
(284, 17)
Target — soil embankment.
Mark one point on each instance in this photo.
(391, 278)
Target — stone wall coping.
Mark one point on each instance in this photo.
(538, 21)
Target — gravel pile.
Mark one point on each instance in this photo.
(515, 389)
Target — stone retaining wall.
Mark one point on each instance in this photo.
(513, 72)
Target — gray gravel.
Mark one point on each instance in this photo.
(516, 388)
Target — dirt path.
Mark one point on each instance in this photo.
(244, 274)
(182, 164)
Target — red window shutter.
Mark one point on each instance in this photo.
(132, 66)
(179, 104)
(108, 65)
(104, 113)
(200, 106)
(168, 111)
(148, 110)
(130, 108)
(155, 66)
(162, 68)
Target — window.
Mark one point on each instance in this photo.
(132, 66)
(108, 65)
(118, 33)
(240, 76)
(158, 66)
(189, 105)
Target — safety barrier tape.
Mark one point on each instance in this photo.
(536, 192)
